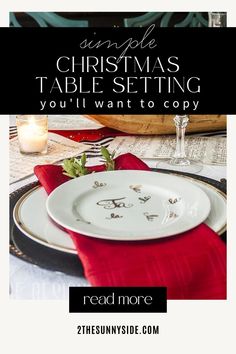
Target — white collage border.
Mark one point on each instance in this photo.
(189, 326)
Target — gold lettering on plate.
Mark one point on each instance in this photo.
(136, 188)
(172, 215)
(150, 217)
(144, 199)
(98, 184)
(114, 216)
(174, 200)
(114, 203)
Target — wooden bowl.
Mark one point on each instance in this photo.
(159, 124)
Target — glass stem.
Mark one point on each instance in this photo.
(180, 123)
(179, 158)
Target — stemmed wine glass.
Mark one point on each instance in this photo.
(179, 161)
(217, 19)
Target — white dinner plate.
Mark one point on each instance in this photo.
(128, 205)
(44, 231)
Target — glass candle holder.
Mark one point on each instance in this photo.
(32, 133)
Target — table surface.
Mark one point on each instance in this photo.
(28, 281)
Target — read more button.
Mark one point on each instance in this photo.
(119, 299)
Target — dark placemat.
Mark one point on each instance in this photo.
(33, 252)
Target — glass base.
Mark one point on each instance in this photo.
(179, 161)
(181, 165)
(36, 153)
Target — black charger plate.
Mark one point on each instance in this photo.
(51, 259)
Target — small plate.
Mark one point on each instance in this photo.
(128, 205)
(44, 231)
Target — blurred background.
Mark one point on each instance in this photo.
(108, 19)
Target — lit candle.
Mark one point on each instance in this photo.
(32, 134)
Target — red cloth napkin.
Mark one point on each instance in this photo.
(191, 265)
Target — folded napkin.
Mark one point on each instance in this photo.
(191, 265)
